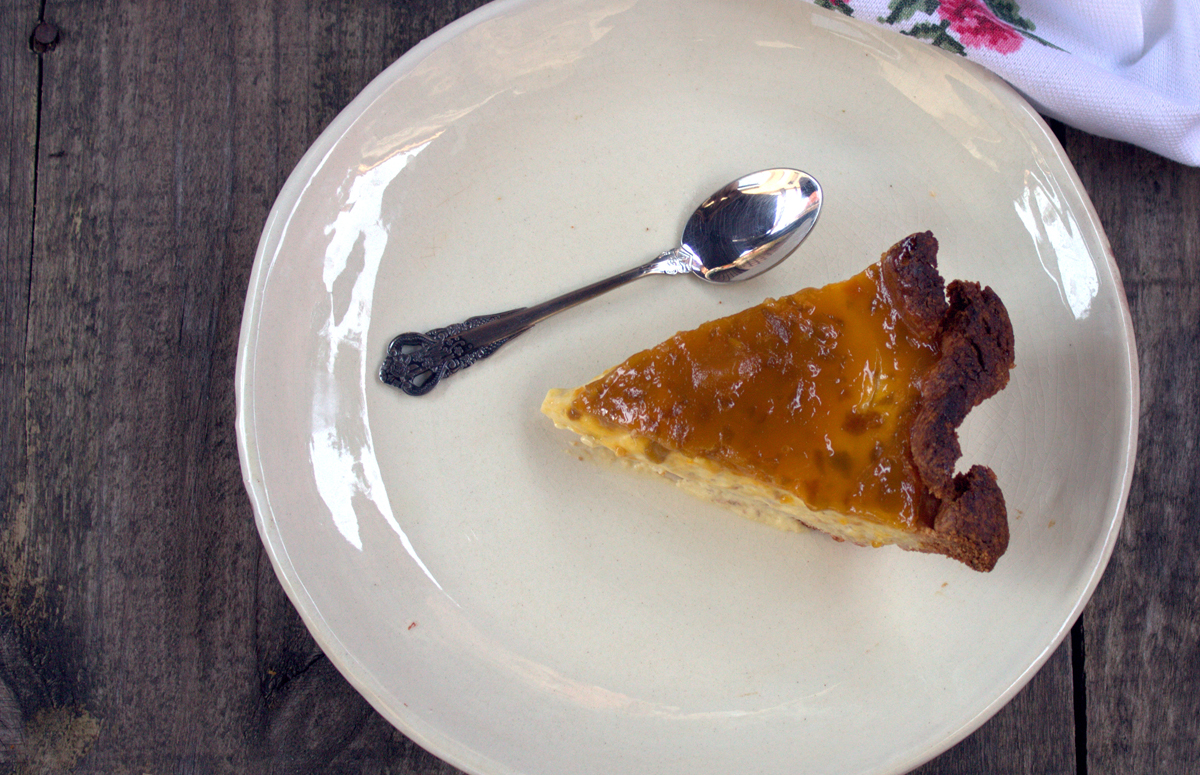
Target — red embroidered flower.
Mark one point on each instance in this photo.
(978, 26)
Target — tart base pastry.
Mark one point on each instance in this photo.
(835, 408)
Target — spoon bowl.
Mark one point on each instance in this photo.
(752, 224)
(741, 231)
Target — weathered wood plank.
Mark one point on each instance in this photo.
(135, 527)
(19, 69)
(1142, 653)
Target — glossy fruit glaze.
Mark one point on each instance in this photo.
(813, 393)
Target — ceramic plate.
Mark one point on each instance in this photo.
(517, 610)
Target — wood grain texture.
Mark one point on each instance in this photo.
(1142, 628)
(141, 626)
(19, 70)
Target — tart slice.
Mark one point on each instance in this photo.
(835, 408)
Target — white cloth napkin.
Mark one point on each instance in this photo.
(1125, 69)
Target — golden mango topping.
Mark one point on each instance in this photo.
(814, 393)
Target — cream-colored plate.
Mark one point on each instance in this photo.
(516, 610)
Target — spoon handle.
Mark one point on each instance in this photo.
(416, 362)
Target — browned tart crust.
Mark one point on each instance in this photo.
(835, 408)
(976, 352)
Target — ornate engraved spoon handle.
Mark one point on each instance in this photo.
(415, 362)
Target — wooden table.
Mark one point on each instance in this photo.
(141, 626)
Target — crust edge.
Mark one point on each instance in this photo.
(976, 342)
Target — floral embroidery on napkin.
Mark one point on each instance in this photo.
(1131, 76)
(957, 25)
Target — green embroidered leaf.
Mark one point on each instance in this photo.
(836, 5)
(902, 10)
(1010, 12)
(899, 11)
(937, 35)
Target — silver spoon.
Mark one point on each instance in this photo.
(741, 231)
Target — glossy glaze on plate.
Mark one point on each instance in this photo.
(478, 583)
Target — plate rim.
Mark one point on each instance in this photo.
(430, 738)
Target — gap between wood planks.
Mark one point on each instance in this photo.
(37, 143)
(1079, 685)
